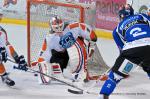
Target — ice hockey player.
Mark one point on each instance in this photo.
(132, 36)
(7, 50)
(54, 56)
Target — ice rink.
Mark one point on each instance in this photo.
(27, 87)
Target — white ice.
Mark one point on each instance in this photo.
(135, 87)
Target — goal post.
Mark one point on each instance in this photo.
(39, 13)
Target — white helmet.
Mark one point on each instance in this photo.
(56, 24)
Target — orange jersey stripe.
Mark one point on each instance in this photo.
(73, 25)
(40, 59)
(44, 46)
(2, 69)
(12, 50)
(83, 27)
(93, 35)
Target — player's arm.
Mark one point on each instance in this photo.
(43, 49)
(119, 42)
(41, 54)
(18, 59)
(45, 52)
(89, 34)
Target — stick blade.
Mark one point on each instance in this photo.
(106, 97)
(75, 91)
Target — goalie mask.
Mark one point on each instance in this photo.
(56, 24)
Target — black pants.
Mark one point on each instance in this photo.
(60, 57)
(138, 55)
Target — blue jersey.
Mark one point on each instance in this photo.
(132, 28)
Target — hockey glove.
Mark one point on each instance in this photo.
(3, 54)
(22, 64)
(91, 48)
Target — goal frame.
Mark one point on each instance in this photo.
(69, 5)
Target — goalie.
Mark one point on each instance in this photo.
(55, 56)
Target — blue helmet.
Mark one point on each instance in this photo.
(125, 12)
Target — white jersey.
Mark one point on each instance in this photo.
(80, 29)
(51, 42)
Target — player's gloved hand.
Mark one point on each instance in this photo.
(22, 64)
(91, 48)
(3, 54)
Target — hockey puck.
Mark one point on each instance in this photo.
(86, 80)
(35, 74)
(75, 91)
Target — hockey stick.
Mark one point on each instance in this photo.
(16, 63)
(59, 80)
(82, 92)
(131, 3)
(56, 79)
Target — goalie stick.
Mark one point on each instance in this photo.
(59, 80)
(56, 79)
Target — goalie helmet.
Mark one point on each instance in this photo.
(56, 24)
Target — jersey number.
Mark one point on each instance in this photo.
(137, 32)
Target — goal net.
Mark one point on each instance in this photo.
(39, 12)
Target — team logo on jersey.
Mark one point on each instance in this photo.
(67, 40)
(128, 68)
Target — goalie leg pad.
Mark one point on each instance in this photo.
(45, 68)
(56, 70)
(77, 60)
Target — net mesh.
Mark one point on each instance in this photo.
(96, 65)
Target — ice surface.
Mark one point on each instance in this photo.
(135, 87)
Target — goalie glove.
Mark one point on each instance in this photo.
(91, 48)
(3, 54)
(22, 64)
